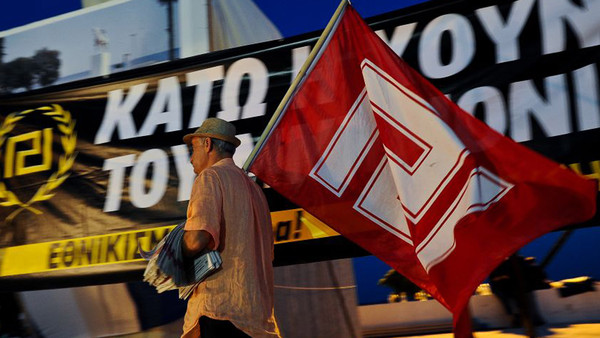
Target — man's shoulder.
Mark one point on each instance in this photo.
(226, 171)
(209, 173)
(222, 167)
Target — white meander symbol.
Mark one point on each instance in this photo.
(423, 156)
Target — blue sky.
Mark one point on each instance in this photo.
(291, 17)
(134, 28)
(296, 17)
(18, 13)
(137, 28)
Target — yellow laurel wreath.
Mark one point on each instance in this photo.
(66, 125)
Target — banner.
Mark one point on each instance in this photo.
(105, 156)
(123, 247)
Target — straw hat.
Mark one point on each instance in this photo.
(215, 128)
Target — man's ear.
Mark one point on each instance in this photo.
(208, 144)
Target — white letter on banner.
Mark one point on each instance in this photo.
(424, 155)
(492, 101)
(258, 77)
(505, 34)
(430, 46)
(554, 15)
(586, 96)
(114, 190)
(168, 95)
(552, 114)
(118, 114)
(158, 184)
(243, 151)
(185, 171)
(202, 80)
(299, 55)
(400, 37)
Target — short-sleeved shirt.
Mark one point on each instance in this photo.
(226, 203)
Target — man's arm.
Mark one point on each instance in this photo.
(195, 241)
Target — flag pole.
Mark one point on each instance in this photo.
(301, 73)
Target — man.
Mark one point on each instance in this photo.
(228, 212)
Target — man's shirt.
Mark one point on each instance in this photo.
(226, 203)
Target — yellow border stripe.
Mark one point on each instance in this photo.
(79, 252)
(288, 226)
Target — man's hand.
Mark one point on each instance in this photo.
(195, 241)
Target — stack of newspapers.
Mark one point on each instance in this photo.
(167, 269)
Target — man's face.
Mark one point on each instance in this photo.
(199, 155)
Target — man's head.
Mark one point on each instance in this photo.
(213, 141)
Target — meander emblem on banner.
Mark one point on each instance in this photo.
(32, 152)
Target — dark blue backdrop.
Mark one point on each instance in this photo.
(578, 256)
(291, 17)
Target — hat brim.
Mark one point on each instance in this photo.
(187, 139)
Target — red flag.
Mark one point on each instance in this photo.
(375, 151)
